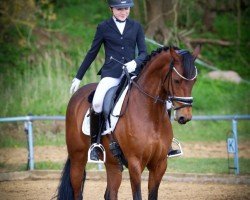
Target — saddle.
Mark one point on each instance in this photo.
(111, 98)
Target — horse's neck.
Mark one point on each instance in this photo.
(151, 80)
(151, 83)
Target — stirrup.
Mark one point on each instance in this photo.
(179, 145)
(99, 146)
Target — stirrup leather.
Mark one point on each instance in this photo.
(99, 146)
(179, 146)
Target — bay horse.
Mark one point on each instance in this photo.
(144, 133)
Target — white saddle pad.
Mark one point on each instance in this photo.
(113, 119)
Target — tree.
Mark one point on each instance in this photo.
(16, 14)
(156, 11)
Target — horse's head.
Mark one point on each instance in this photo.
(179, 82)
(169, 74)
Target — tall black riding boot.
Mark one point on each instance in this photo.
(95, 131)
(173, 152)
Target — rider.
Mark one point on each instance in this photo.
(120, 36)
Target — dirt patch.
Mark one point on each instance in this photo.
(213, 149)
(59, 154)
(20, 155)
(94, 189)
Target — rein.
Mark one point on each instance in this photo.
(185, 101)
(156, 99)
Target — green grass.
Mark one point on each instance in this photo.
(177, 165)
(219, 97)
(45, 89)
(49, 165)
(40, 85)
(206, 165)
(51, 134)
(59, 166)
(10, 142)
(42, 89)
(210, 131)
(39, 140)
(50, 139)
(45, 165)
(13, 167)
(45, 133)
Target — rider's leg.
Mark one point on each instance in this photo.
(95, 124)
(96, 112)
(172, 152)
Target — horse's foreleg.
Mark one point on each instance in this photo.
(155, 176)
(135, 178)
(114, 178)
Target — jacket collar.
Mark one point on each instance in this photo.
(112, 24)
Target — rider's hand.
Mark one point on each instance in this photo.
(131, 66)
(75, 85)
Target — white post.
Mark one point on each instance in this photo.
(31, 147)
(236, 154)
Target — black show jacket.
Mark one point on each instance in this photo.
(120, 46)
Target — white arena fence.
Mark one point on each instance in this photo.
(232, 142)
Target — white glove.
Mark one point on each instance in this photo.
(75, 85)
(131, 66)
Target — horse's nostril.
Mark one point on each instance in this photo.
(182, 120)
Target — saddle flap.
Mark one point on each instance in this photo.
(112, 96)
(109, 101)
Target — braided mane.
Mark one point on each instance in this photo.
(187, 60)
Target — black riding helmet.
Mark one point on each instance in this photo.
(120, 3)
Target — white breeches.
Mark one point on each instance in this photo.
(104, 85)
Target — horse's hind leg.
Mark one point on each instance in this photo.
(155, 176)
(77, 174)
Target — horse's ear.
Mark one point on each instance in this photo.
(197, 51)
(174, 55)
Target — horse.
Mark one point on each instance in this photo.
(144, 132)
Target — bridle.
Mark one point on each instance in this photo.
(185, 101)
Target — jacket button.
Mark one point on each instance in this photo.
(122, 47)
(123, 58)
(121, 38)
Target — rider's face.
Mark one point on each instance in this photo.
(121, 13)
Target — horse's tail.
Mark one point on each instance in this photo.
(65, 190)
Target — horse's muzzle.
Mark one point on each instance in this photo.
(182, 116)
(183, 120)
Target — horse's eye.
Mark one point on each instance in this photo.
(177, 81)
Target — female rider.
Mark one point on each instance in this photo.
(120, 37)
